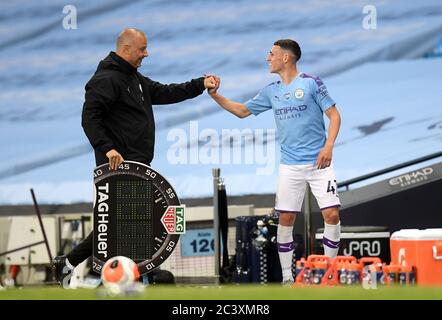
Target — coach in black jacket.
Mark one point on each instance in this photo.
(117, 113)
(118, 119)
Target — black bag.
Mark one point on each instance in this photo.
(257, 258)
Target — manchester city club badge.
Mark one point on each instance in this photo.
(299, 93)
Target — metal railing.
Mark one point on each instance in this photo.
(347, 183)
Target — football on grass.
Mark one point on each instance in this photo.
(119, 271)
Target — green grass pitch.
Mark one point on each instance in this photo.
(233, 292)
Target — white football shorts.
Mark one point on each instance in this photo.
(292, 182)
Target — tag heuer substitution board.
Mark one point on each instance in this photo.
(137, 214)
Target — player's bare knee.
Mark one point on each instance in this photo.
(287, 219)
(331, 215)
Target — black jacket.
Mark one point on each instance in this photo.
(117, 112)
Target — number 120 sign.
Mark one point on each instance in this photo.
(198, 242)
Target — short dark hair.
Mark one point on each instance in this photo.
(290, 45)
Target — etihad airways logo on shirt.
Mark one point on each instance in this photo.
(290, 112)
(290, 109)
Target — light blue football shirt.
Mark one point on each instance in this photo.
(298, 109)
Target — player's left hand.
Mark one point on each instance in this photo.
(324, 158)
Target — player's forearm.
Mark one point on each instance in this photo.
(333, 129)
(238, 109)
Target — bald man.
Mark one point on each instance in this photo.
(117, 113)
(118, 119)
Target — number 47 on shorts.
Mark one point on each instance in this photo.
(330, 187)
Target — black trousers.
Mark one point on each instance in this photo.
(82, 251)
